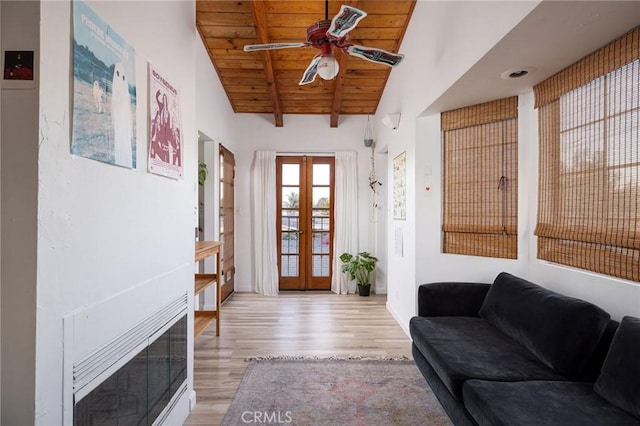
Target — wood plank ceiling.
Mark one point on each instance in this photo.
(267, 81)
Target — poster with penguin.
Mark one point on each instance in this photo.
(104, 91)
(165, 127)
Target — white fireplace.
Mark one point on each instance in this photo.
(126, 374)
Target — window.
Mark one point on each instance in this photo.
(589, 118)
(480, 145)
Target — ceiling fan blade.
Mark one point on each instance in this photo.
(373, 54)
(345, 21)
(272, 46)
(310, 73)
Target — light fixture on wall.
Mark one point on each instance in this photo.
(392, 121)
(368, 134)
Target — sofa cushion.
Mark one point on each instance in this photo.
(451, 299)
(462, 348)
(540, 403)
(560, 330)
(594, 366)
(619, 382)
(452, 406)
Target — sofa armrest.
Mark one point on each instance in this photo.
(451, 299)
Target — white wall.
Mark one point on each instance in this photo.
(451, 38)
(0, 229)
(215, 119)
(214, 115)
(105, 230)
(19, 168)
(378, 230)
(300, 134)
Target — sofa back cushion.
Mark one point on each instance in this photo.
(593, 368)
(561, 331)
(619, 382)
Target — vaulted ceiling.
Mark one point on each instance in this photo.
(267, 81)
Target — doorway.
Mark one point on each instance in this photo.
(305, 216)
(227, 226)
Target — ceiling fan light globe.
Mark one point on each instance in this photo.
(328, 67)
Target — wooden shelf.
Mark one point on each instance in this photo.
(202, 319)
(203, 281)
(205, 249)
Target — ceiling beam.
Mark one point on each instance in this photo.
(259, 12)
(342, 59)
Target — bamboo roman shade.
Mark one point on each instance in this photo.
(589, 127)
(480, 145)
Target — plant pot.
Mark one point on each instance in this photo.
(364, 290)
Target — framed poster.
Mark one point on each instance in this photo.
(165, 127)
(104, 91)
(400, 186)
(18, 69)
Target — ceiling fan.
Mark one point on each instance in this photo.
(325, 35)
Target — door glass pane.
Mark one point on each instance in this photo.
(320, 266)
(316, 242)
(290, 220)
(321, 174)
(289, 266)
(321, 243)
(320, 220)
(289, 243)
(291, 197)
(321, 197)
(291, 174)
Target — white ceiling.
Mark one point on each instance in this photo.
(553, 36)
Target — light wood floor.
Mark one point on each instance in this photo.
(310, 324)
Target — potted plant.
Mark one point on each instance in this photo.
(359, 267)
(202, 173)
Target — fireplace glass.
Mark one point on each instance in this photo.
(137, 393)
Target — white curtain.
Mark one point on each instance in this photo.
(265, 248)
(346, 218)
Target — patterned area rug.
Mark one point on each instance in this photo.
(334, 392)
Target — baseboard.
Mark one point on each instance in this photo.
(403, 326)
(244, 288)
(192, 400)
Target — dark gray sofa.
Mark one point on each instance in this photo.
(515, 353)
